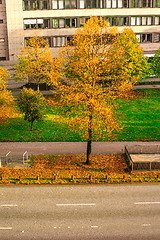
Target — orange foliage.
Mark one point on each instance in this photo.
(93, 72)
(72, 169)
(6, 99)
(35, 61)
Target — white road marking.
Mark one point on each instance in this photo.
(146, 225)
(5, 228)
(75, 204)
(9, 205)
(94, 226)
(141, 203)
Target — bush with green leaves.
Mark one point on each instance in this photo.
(32, 104)
(156, 63)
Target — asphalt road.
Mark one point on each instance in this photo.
(80, 212)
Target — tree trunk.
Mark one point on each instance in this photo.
(38, 87)
(89, 143)
(31, 125)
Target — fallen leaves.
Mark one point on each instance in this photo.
(62, 169)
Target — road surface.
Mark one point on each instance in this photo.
(88, 212)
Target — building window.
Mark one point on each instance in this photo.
(119, 3)
(125, 4)
(138, 21)
(61, 23)
(54, 4)
(117, 21)
(35, 4)
(70, 22)
(36, 23)
(156, 37)
(157, 21)
(1, 20)
(108, 3)
(2, 58)
(70, 4)
(146, 38)
(150, 4)
(67, 4)
(149, 21)
(144, 20)
(114, 3)
(0, 1)
(157, 3)
(144, 3)
(55, 23)
(81, 4)
(60, 41)
(138, 36)
(91, 3)
(83, 20)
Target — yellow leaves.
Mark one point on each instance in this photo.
(7, 108)
(99, 54)
(3, 78)
(35, 61)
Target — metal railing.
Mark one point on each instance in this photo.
(9, 158)
(144, 166)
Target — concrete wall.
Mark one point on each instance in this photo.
(3, 32)
(15, 27)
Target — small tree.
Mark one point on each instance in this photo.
(93, 72)
(137, 64)
(32, 104)
(155, 63)
(35, 61)
(6, 99)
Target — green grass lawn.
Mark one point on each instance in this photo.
(140, 117)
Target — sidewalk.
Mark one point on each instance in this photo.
(37, 148)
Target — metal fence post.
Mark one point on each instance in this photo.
(24, 156)
(7, 157)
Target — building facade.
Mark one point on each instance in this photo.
(57, 20)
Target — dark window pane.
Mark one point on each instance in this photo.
(73, 4)
(125, 3)
(88, 4)
(149, 37)
(67, 4)
(67, 23)
(73, 22)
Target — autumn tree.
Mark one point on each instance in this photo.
(35, 61)
(32, 104)
(92, 73)
(155, 63)
(137, 64)
(6, 99)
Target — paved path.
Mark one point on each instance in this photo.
(36, 148)
(146, 86)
